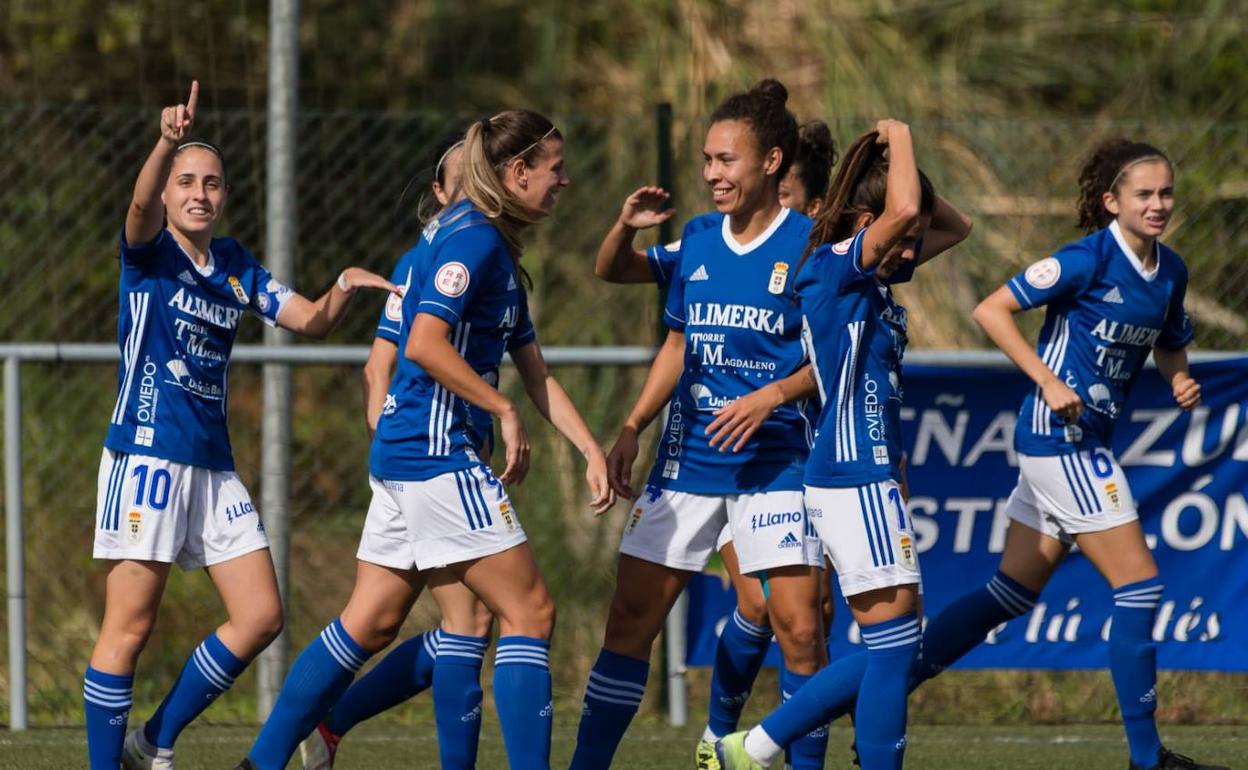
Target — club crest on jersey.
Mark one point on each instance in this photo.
(452, 279)
(238, 290)
(1044, 274)
(843, 246)
(394, 307)
(779, 276)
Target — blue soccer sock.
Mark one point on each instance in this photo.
(738, 657)
(523, 698)
(316, 681)
(807, 751)
(457, 698)
(1133, 666)
(616, 686)
(962, 625)
(106, 701)
(880, 714)
(210, 671)
(404, 672)
(828, 694)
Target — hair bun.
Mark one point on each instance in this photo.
(772, 90)
(817, 137)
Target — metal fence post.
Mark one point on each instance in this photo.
(15, 542)
(280, 239)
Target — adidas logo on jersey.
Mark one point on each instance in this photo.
(511, 283)
(186, 277)
(790, 541)
(1113, 295)
(700, 274)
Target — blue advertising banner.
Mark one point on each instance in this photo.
(1189, 475)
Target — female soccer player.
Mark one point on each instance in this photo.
(453, 668)
(167, 487)
(879, 209)
(732, 332)
(744, 642)
(1111, 299)
(435, 503)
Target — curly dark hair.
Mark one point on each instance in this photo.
(816, 155)
(1101, 174)
(763, 107)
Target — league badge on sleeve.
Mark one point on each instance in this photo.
(1043, 274)
(779, 276)
(452, 279)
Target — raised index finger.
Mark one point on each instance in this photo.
(193, 99)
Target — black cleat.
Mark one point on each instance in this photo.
(245, 765)
(1168, 760)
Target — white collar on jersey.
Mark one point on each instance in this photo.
(746, 248)
(1145, 273)
(206, 270)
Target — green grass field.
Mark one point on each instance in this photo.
(653, 744)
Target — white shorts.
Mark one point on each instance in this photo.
(149, 509)
(868, 533)
(1071, 494)
(681, 530)
(444, 520)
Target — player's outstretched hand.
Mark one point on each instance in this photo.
(646, 207)
(737, 422)
(516, 440)
(176, 121)
(620, 463)
(603, 496)
(1062, 400)
(1186, 392)
(358, 278)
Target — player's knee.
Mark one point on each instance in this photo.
(797, 630)
(753, 609)
(630, 626)
(268, 624)
(124, 642)
(541, 620)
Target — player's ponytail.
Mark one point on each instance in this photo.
(491, 144)
(763, 107)
(860, 186)
(1102, 172)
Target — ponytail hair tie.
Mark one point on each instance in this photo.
(485, 125)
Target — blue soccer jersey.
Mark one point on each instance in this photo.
(176, 329)
(1104, 314)
(480, 424)
(462, 273)
(742, 331)
(664, 259)
(855, 334)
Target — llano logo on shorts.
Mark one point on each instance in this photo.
(762, 520)
(452, 279)
(1043, 274)
(136, 526)
(238, 511)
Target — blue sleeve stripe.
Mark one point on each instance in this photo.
(444, 311)
(1020, 293)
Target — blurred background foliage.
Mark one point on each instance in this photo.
(1006, 99)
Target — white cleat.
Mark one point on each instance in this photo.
(138, 754)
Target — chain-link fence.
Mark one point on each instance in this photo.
(65, 182)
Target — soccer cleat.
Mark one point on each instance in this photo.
(1168, 760)
(730, 751)
(245, 765)
(137, 754)
(704, 756)
(319, 748)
